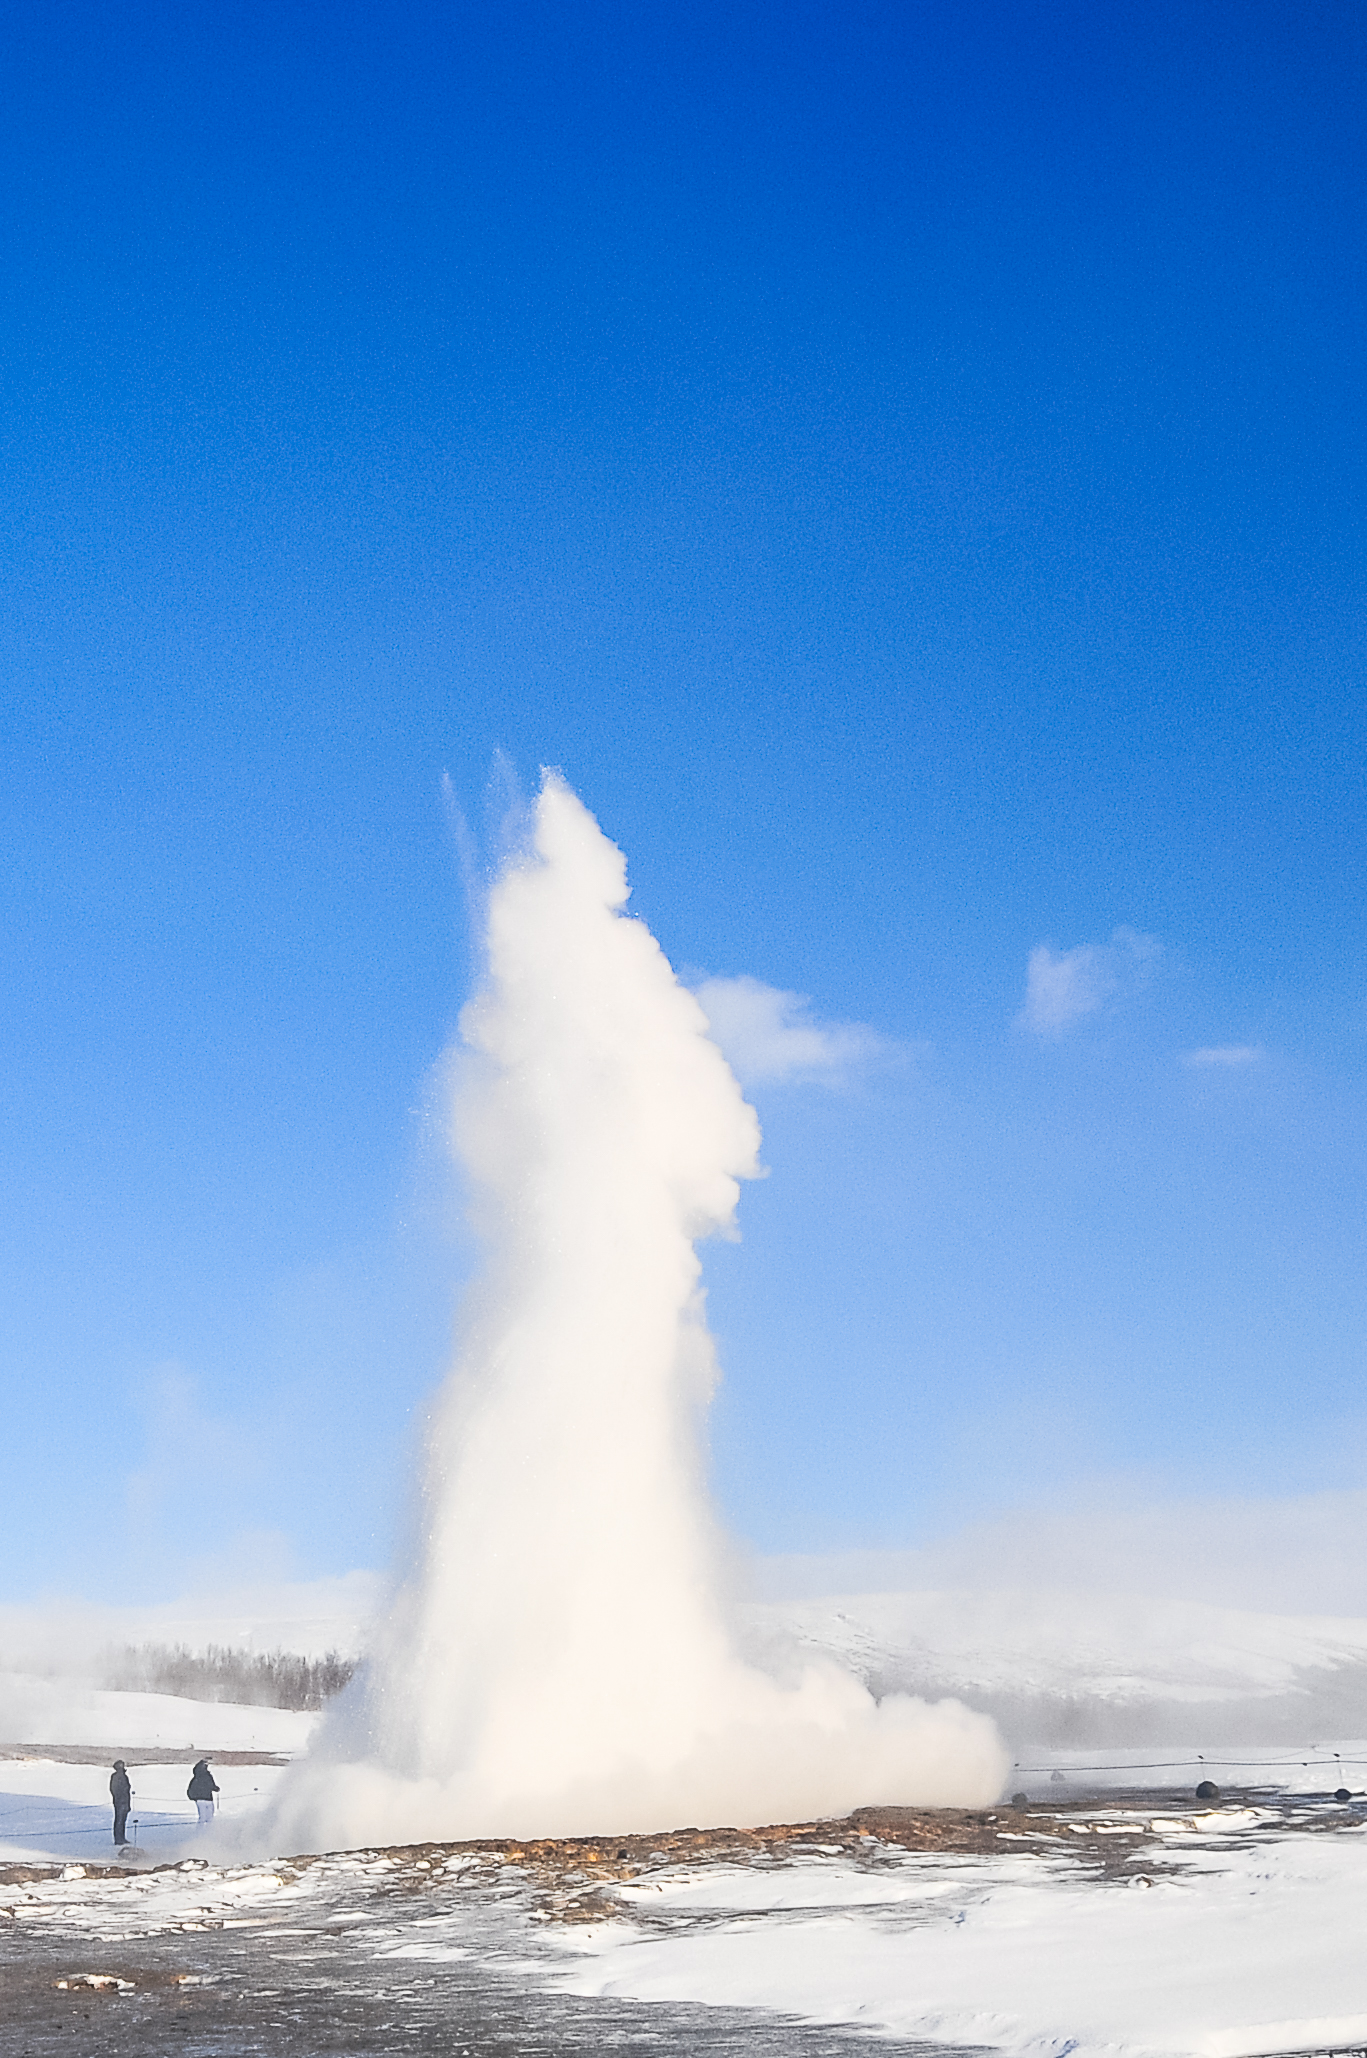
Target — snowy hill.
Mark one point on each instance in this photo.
(1089, 1669)
(68, 1712)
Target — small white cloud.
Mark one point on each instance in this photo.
(769, 1034)
(1063, 985)
(1225, 1054)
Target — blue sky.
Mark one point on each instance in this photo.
(905, 466)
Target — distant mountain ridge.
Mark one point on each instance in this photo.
(1060, 1667)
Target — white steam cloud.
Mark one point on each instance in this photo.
(769, 1034)
(559, 1661)
(1064, 985)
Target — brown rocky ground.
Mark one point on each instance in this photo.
(1103, 1832)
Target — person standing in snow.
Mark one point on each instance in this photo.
(121, 1794)
(201, 1790)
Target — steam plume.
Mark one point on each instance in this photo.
(560, 1663)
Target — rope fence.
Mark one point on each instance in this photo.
(163, 1812)
(1185, 1764)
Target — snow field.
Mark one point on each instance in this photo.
(1231, 1933)
(1234, 1933)
(1248, 1945)
(62, 1711)
(51, 1811)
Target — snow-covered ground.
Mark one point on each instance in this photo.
(54, 1711)
(1242, 1943)
(1221, 1934)
(1098, 1647)
(55, 1811)
(1060, 1667)
(1226, 1933)
(51, 1807)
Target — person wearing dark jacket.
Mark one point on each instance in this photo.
(201, 1790)
(121, 1794)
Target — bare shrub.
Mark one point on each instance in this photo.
(257, 1679)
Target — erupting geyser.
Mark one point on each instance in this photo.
(559, 1662)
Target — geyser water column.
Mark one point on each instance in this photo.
(559, 1661)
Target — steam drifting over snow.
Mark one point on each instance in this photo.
(559, 1662)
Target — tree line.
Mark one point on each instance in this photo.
(256, 1679)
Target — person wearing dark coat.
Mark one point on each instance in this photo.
(121, 1794)
(201, 1790)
